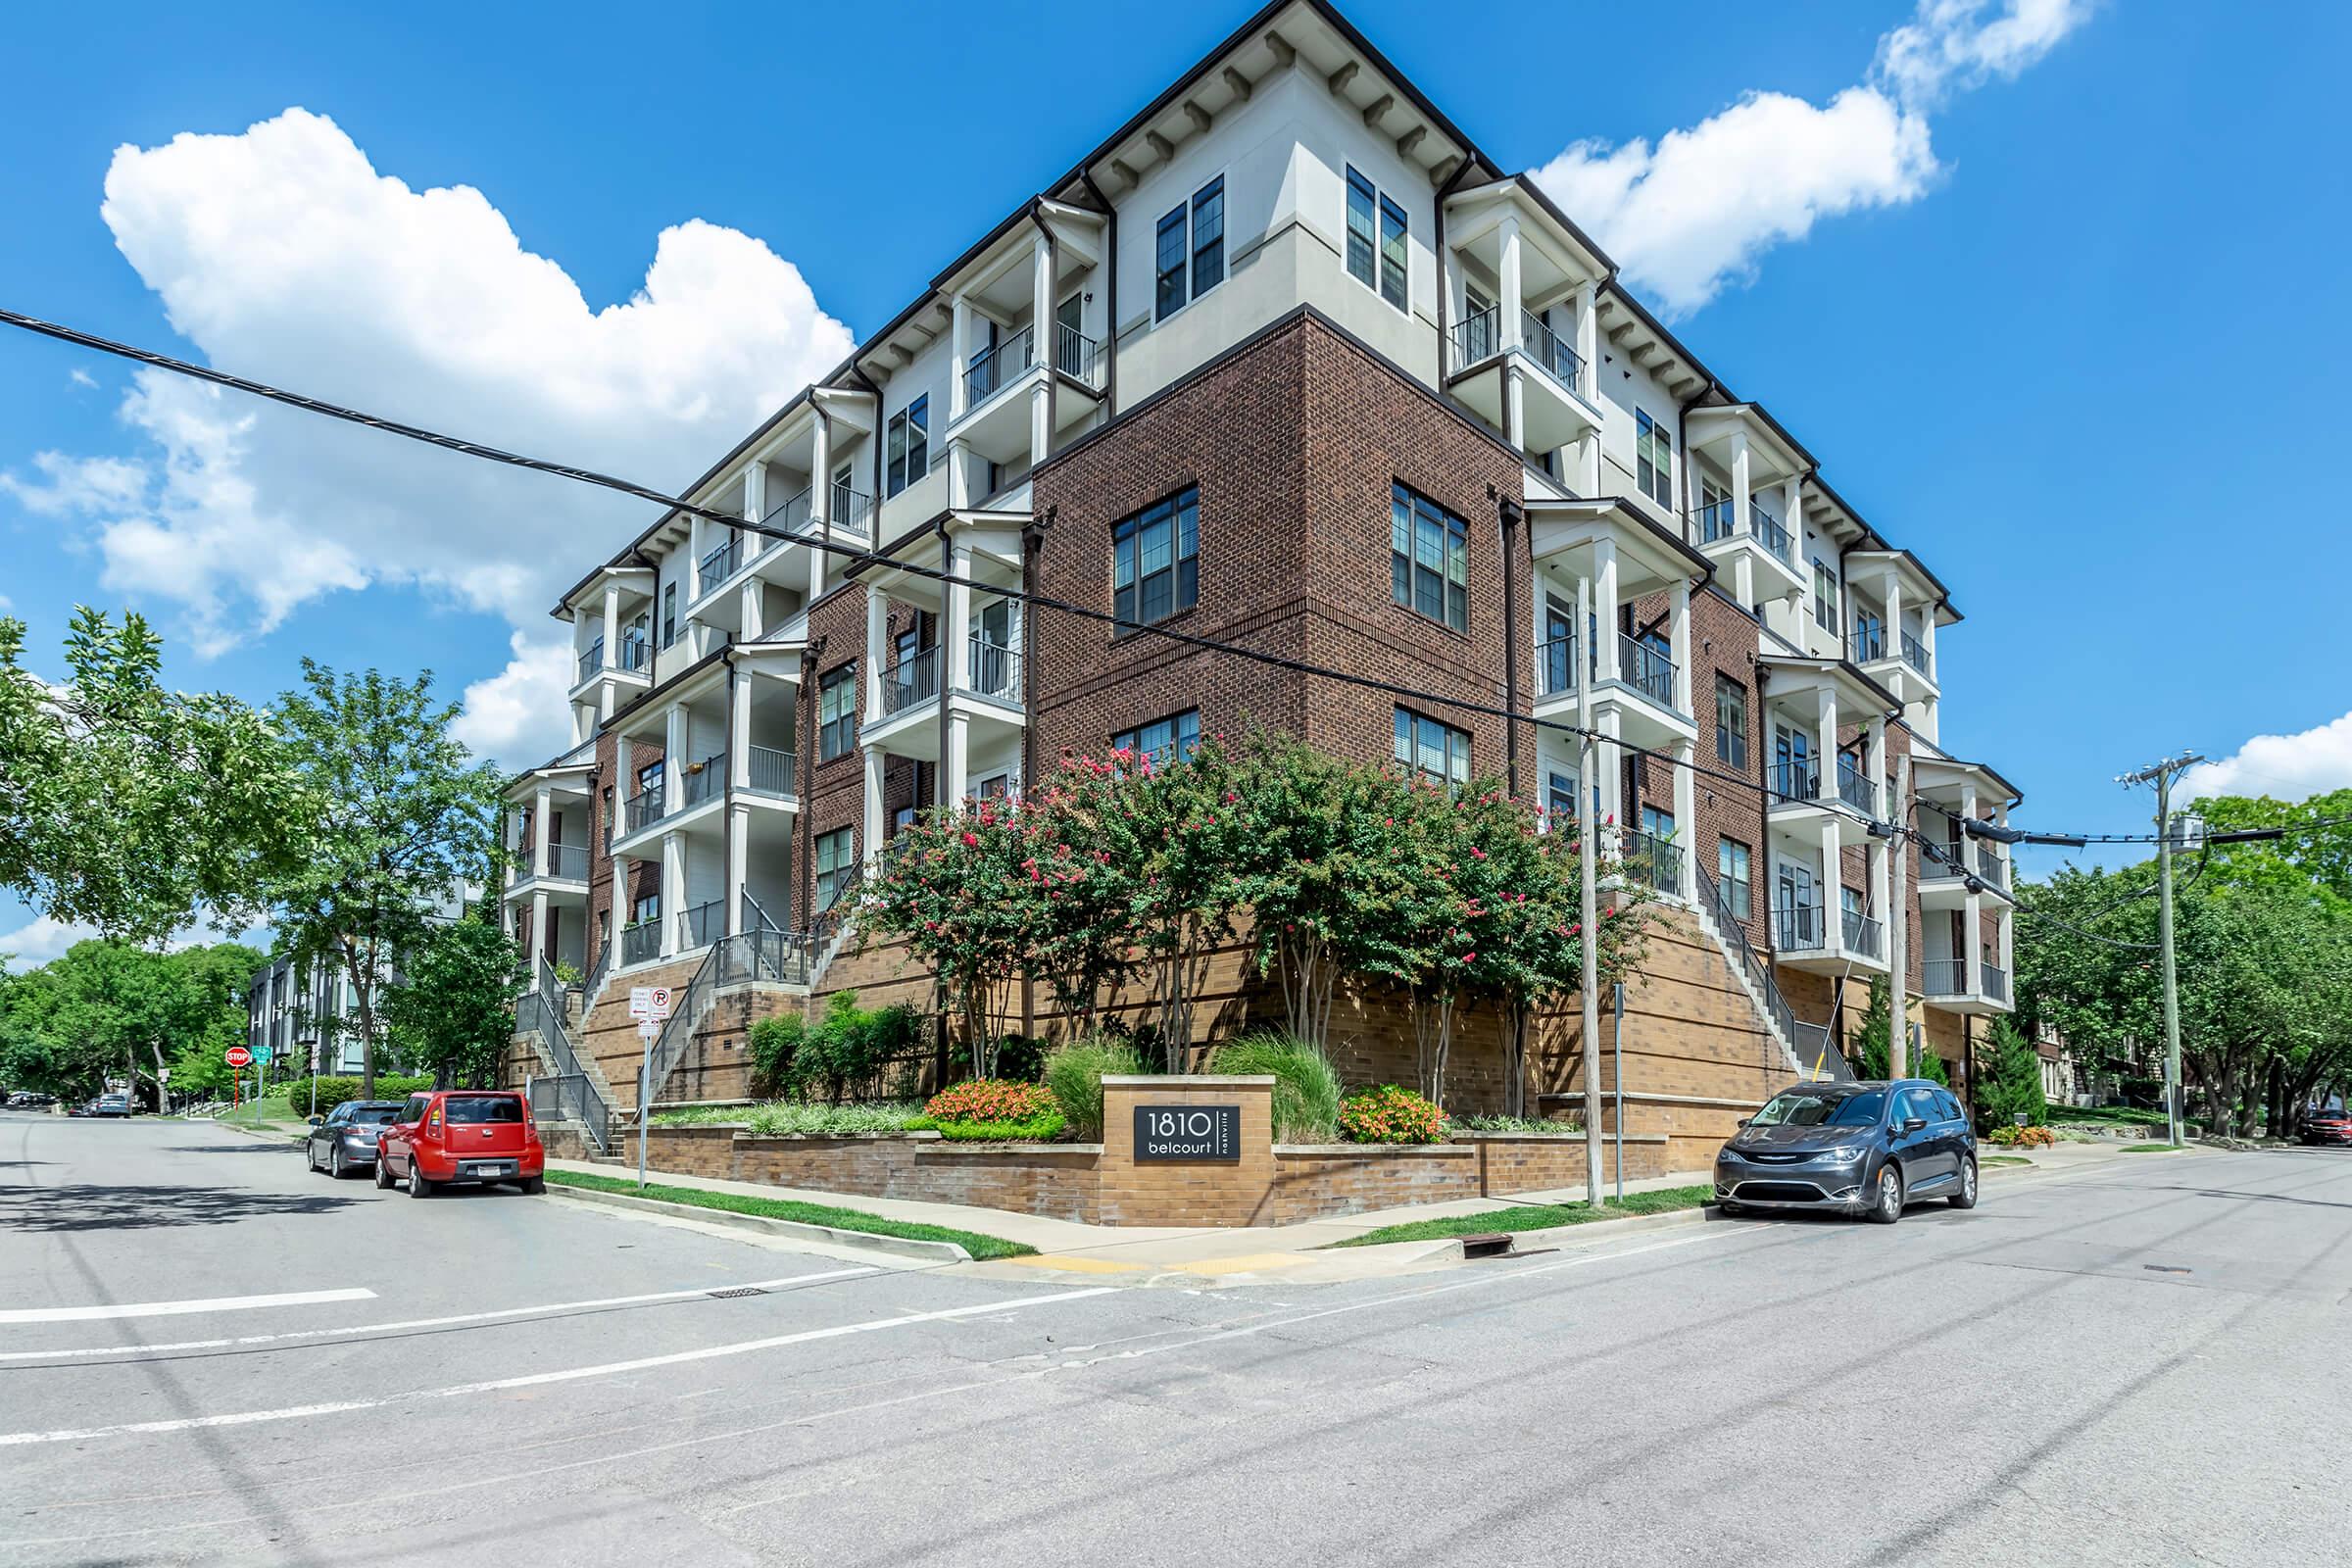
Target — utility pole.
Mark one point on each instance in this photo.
(1898, 924)
(2161, 775)
(1587, 859)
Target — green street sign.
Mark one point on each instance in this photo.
(261, 1053)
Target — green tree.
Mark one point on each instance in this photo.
(451, 1011)
(404, 815)
(2010, 1082)
(107, 1009)
(129, 807)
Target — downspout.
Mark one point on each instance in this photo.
(938, 770)
(1111, 293)
(1507, 516)
(804, 882)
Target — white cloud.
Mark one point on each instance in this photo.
(519, 714)
(285, 256)
(41, 939)
(81, 377)
(1692, 213)
(2286, 768)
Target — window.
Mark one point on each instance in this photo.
(1559, 795)
(1426, 745)
(1654, 458)
(648, 777)
(669, 613)
(907, 448)
(1156, 565)
(1825, 598)
(646, 908)
(1429, 558)
(1392, 254)
(1362, 247)
(1716, 520)
(1869, 636)
(1730, 873)
(837, 712)
(1659, 824)
(1193, 234)
(1164, 741)
(901, 820)
(836, 862)
(1730, 722)
(1794, 777)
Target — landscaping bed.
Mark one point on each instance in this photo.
(841, 1219)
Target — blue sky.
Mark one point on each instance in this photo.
(2073, 358)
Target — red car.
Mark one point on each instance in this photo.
(2327, 1127)
(454, 1137)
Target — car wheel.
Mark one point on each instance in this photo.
(383, 1172)
(1728, 1209)
(418, 1187)
(335, 1164)
(1966, 1197)
(310, 1156)
(535, 1186)
(1887, 1198)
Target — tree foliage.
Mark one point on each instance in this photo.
(451, 1009)
(105, 1009)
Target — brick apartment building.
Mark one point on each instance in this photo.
(1288, 361)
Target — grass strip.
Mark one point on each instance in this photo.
(2148, 1147)
(1536, 1217)
(841, 1219)
(2003, 1159)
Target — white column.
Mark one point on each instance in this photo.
(959, 474)
(1744, 579)
(694, 559)
(673, 770)
(958, 763)
(877, 638)
(1742, 469)
(956, 632)
(1826, 741)
(754, 501)
(1605, 608)
(739, 861)
(1894, 617)
(673, 886)
(1677, 639)
(871, 830)
(538, 924)
(611, 625)
(1686, 809)
(1509, 270)
(2003, 917)
(505, 917)
(958, 355)
(539, 834)
(1881, 876)
(1972, 943)
(1588, 352)
(820, 481)
(1514, 408)
(1611, 763)
(739, 731)
(1041, 348)
(1793, 513)
(1833, 884)
(1874, 760)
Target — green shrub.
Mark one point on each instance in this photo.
(776, 1042)
(780, 1117)
(995, 1110)
(1307, 1092)
(1044, 1128)
(336, 1088)
(1074, 1076)
(1389, 1115)
(839, 1057)
(1541, 1127)
(2013, 1084)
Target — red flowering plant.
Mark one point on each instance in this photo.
(994, 1109)
(1389, 1115)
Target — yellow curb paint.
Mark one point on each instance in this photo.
(1247, 1263)
(1075, 1265)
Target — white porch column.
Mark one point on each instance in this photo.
(739, 731)
(1686, 812)
(539, 943)
(1509, 270)
(956, 634)
(1611, 763)
(877, 638)
(673, 768)
(754, 501)
(1041, 348)
(1874, 761)
(1793, 513)
(1587, 353)
(505, 917)
(1679, 641)
(870, 829)
(1743, 578)
(1514, 407)
(959, 355)
(1895, 615)
(1605, 609)
(612, 625)
(540, 802)
(820, 479)
(1743, 466)
(739, 864)
(1972, 945)
(2004, 918)
(673, 886)
(959, 474)
(1833, 884)
(1825, 758)
(958, 762)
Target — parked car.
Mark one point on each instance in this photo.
(344, 1138)
(2329, 1126)
(1864, 1149)
(110, 1106)
(30, 1099)
(462, 1137)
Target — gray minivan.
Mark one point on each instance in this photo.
(1852, 1147)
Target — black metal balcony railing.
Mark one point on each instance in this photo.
(1867, 642)
(1944, 977)
(1855, 790)
(1554, 356)
(1775, 538)
(1656, 860)
(703, 924)
(1556, 666)
(567, 863)
(1717, 520)
(642, 943)
(703, 780)
(847, 511)
(772, 771)
(997, 367)
(1800, 928)
(911, 681)
(1477, 337)
(1989, 870)
(1915, 653)
(636, 652)
(717, 565)
(645, 808)
(1795, 781)
(592, 663)
(993, 669)
(1077, 356)
(1992, 982)
(1864, 935)
(1646, 670)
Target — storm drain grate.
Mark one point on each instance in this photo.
(739, 1289)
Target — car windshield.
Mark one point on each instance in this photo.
(374, 1115)
(1823, 1108)
(471, 1108)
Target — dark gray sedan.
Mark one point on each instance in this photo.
(1851, 1147)
(344, 1138)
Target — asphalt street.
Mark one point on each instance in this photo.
(209, 1354)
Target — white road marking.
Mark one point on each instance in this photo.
(216, 1303)
(361, 1329)
(542, 1379)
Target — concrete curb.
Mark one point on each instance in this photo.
(1631, 1225)
(898, 1245)
(265, 1134)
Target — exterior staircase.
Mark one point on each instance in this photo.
(1805, 1048)
(576, 1086)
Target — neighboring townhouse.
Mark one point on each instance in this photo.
(307, 1015)
(1289, 363)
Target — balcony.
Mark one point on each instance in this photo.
(1799, 928)
(1855, 790)
(717, 565)
(1945, 984)
(1719, 523)
(1864, 936)
(996, 367)
(1646, 670)
(636, 659)
(996, 421)
(643, 809)
(910, 683)
(1795, 783)
(773, 772)
(1915, 654)
(567, 863)
(1553, 402)
(1555, 666)
(992, 670)
(706, 780)
(1991, 871)
(702, 925)
(1655, 860)
(847, 511)
(1769, 532)
(641, 943)
(1944, 977)
(1553, 357)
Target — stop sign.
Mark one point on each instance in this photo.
(239, 1056)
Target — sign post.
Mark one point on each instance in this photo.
(237, 1058)
(650, 1006)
